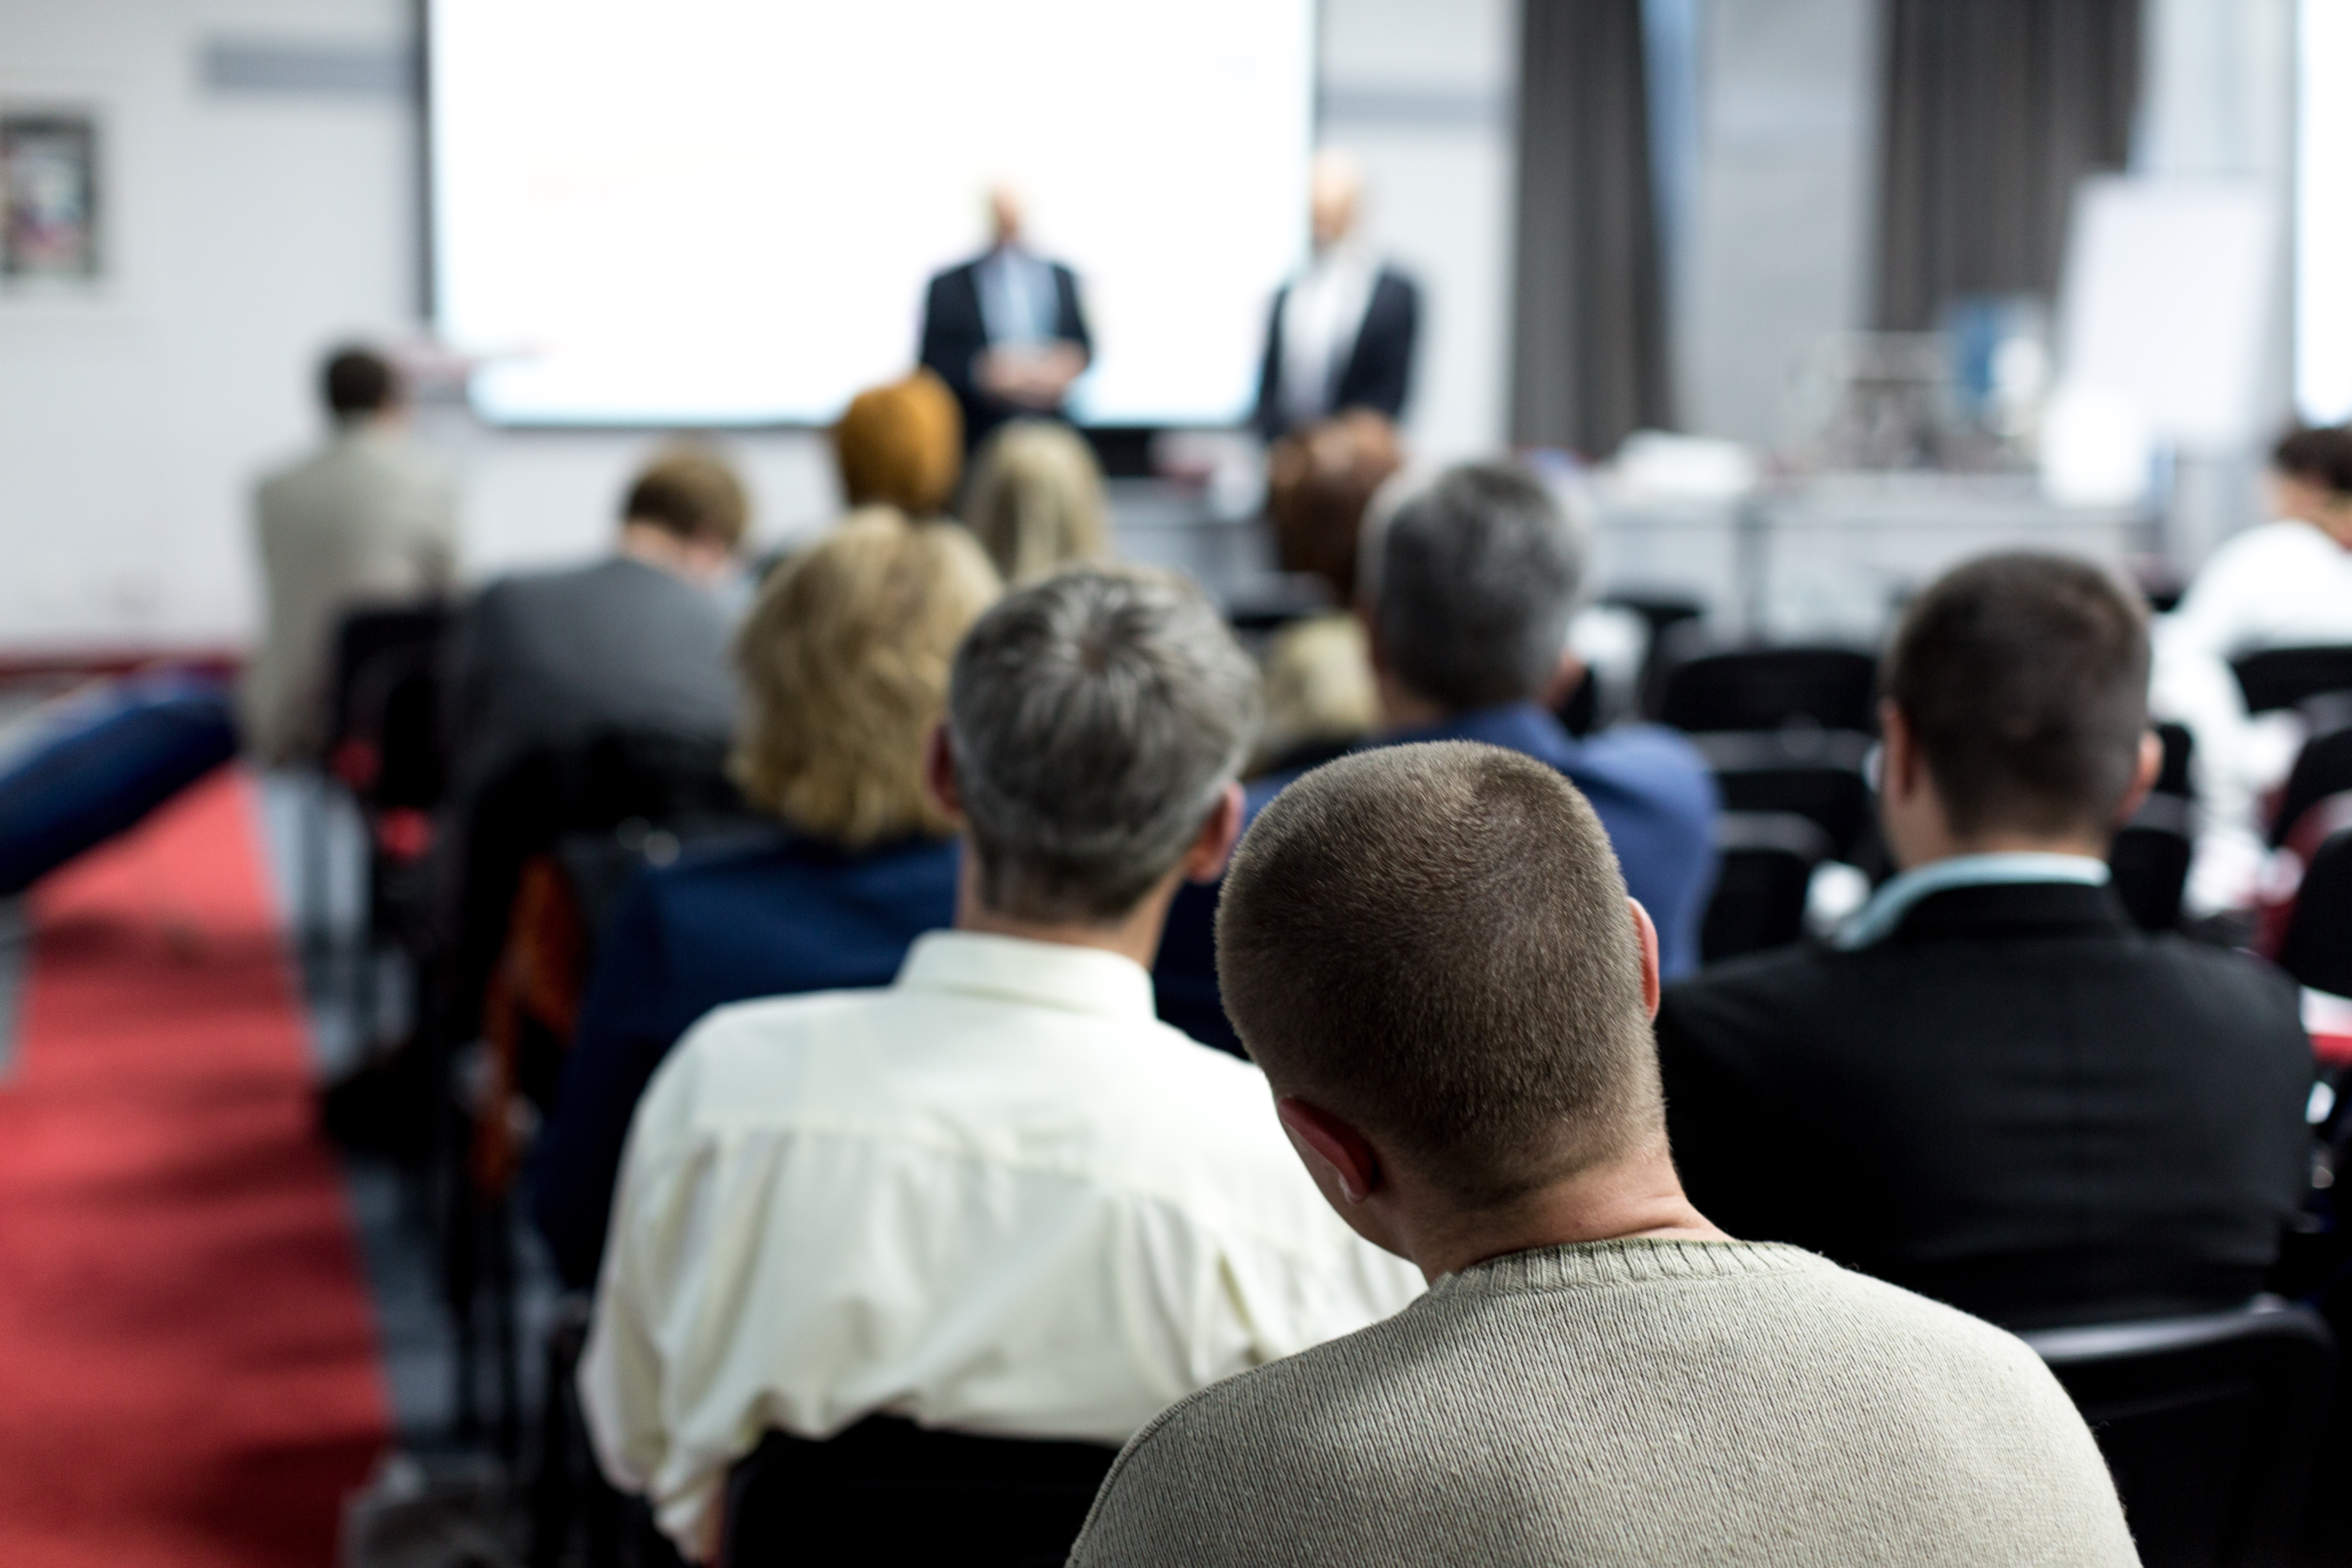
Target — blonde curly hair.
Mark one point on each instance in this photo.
(844, 659)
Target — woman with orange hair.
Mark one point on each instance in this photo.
(901, 446)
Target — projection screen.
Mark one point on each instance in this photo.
(724, 212)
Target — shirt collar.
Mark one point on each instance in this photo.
(1876, 920)
(1039, 974)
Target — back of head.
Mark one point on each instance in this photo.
(357, 383)
(691, 493)
(2320, 455)
(844, 659)
(902, 446)
(1036, 499)
(1096, 717)
(1434, 942)
(2023, 679)
(1318, 481)
(1473, 581)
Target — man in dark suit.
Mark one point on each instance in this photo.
(1992, 1087)
(1005, 330)
(1342, 332)
(1465, 590)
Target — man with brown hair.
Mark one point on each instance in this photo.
(1992, 1087)
(638, 640)
(1429, 950)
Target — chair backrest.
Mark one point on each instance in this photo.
(385, 738)
(1765, 689)
(2318, 946)
(1762, 881)
(888, 1491)
(364, 636)
(2323, 768)
(2151, 853)
(2179, 751)
(2208, 1424)
(2285, 677)
(1815, 773)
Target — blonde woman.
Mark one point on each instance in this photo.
(1036, 501)
(844, 660)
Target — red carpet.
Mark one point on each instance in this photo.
(188, 1371)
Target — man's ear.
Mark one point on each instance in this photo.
(2151, 765)
(940, 773)
(1337, 1155)
(1219, 831)
(1898, 756)
(1645, 932)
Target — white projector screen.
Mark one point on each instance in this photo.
(724, 212)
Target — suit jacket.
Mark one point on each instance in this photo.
(724, 925)
(549, 658)
(1378, 373)
(367, 521)
(955, 333)
(2017, 1102)
(1650, 789)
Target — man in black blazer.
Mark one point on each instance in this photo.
(1005, 329)
(1342, 333)
(1992, 1087)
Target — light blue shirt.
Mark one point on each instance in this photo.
(1877, 919)
(1019, 302)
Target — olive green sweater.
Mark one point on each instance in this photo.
(1629, 1401)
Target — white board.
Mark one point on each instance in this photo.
(724, 210)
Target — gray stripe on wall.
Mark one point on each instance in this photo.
(240, 64)
(1458, 108)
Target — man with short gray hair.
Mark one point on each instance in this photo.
(999, 1196)
(1467, 587)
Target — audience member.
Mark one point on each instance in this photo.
(901, 446)
(1319, 694)
(1466, 588)
(1005, 330)
(637, 640)
(2287, 584)
(1343, 331)
(1992, 1087)
(1036, 501)
(998, 1197)
(845, 667)
(1429, 950)
(366, 521)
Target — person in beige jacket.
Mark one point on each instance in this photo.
(365, 521)
(1429, 950)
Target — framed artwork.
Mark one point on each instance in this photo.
(49, 195)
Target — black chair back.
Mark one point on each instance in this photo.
(2318, 947)
(385, 698)
(2151, 853)
(2323, 768)
(1762, 880)
(1765, 689)
(1815, 773)
(2287, 676)
(888, 1492)
(2207, 1423)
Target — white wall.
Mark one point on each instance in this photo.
(1781, 240)
(250, 229)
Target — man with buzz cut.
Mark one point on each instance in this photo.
(1429, 950)
(998, 1197)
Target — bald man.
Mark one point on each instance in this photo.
(1005, 329)
(1343, 331)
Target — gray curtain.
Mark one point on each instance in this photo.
(1588, 361)
(1991, 112)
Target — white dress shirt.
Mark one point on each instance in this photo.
(1322, 316)
(2284, 584)
(999, 1196)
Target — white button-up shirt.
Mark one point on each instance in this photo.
(999, 1196)
(1322, 316)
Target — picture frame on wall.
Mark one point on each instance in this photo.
(49, 197)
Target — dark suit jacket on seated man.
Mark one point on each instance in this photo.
(1466, 589)
(999, 1196)
(1430, 952)
(1005, 330)
(845, 664)
(1992, 1087)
